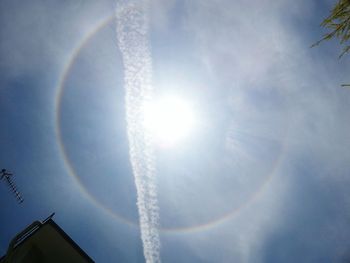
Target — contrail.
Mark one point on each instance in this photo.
(132, 33)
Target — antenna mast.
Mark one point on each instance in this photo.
(7, 177)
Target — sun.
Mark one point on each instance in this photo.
(169, 119)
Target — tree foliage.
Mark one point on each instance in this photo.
(339, 24)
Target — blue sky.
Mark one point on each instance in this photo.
(264, 177)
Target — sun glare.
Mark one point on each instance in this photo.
(169, 119)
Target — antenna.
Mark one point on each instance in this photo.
(7, 177)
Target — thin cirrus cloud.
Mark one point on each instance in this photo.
(277, 88)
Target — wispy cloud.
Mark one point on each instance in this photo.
(275, 90)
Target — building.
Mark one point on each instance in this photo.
(43, 242)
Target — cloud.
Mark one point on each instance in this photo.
(274, 90)
(132, 32)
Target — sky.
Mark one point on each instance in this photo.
(264, 175)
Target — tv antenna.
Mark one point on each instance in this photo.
(7, 177)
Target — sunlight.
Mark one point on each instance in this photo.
(170, 119)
